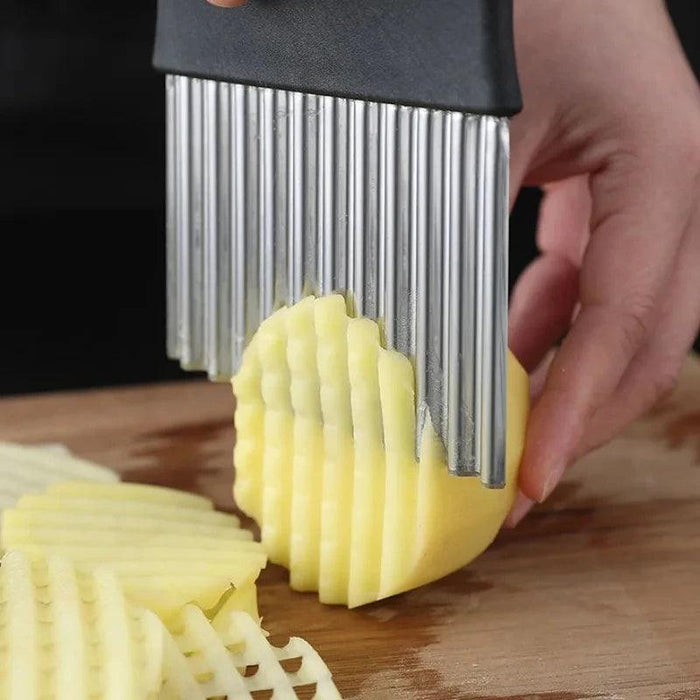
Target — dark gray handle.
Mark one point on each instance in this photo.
(446, 54)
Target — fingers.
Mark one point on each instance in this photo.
(543, 301)
(541, 307)
(226, 3)
(564, 221)
(544, 298)
(521, 507)
(654, 370)
(637, 219)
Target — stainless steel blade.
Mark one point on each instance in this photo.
(273, 195)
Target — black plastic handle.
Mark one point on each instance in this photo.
(445, 54)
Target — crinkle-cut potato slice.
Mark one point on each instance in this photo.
(70, 635)
(71, 536)
(112, 521)
(143, 493)
(166, 594)
(164, 556)
(125, 508)
(304, 394)
(363, 519)
(231, 658)
(30, 469)
(51, 464)
(97, 553)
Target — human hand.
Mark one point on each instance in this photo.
(226, 3)
(611, 130)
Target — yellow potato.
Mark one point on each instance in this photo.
(30, 469)
(232, 658)
(233, 540)
(305, 538)
(125, 508)
(353, 514)
(144, 493)
(166, 594)
(164, 556)
(216, 551)
(69, 635)
(45, 466)
(107, 521)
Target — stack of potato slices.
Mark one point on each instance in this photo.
(115, 590)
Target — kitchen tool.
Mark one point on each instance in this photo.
(318, 146)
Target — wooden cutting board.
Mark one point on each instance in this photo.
(595, 595)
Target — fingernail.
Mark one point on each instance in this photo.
(521, 507)
(550, 483)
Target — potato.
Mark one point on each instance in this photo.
(164, 552)
(71, 635)
(211, 660)
(325, 422)
(144, 493)
(125, 508)
(26, 469)
(46, 465)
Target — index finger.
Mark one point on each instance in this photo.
(639, 215)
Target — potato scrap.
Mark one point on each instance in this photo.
(325, 422)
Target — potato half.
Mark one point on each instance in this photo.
(325, 460)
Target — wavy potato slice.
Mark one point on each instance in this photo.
(166, 594)
(164, 556)
(231, 540)
(325, 462)
(67, 519)
(232, 658)
(129, 508)
(72, 635)
(143, 493)
(30, 469)
(44, 466)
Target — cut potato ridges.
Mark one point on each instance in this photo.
(232, 658)
(164, 552)
(325, 421)
(70, 635)
(132, 592)
(26, 469)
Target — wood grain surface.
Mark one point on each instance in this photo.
(596, 595)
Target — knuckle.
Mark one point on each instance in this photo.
(663, 381)
(635, 320)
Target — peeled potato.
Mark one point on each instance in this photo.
(48, 465)
(71, 635)
(325, 462)
(232, 658)
(125, 508)
(30, 469)
(164, 552)
(143, 493)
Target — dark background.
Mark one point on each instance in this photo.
(81, 200)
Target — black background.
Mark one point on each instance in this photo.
(81, 198)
